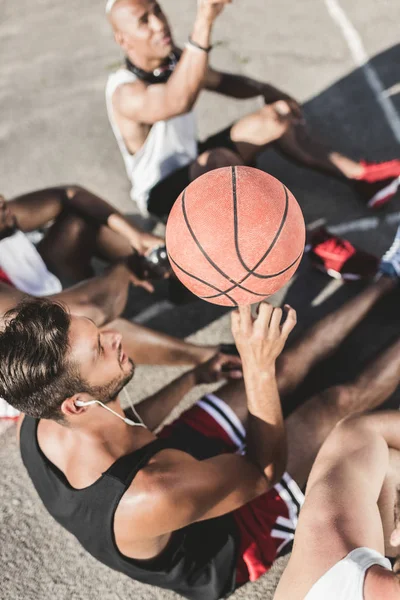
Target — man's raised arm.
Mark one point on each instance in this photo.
(183, 490)
(149, 104)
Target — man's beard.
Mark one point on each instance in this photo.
(108, 393)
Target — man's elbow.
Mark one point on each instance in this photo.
(275, 471)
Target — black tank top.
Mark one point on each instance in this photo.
(199, 561)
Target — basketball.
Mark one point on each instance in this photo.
(235, 236)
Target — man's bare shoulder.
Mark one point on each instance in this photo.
(145, 515)
(127, 95)
(159, 477)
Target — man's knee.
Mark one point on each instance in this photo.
(214, 159)
(218, 157)
(338, 399)
(274, 120)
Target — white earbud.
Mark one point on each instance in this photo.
(80, 403)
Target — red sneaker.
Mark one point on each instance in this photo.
(339, 258)
(377, 194)
(379, 171)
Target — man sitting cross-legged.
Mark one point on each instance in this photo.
(350, 517)
(80, 226)
(204, 506)
(150, 106)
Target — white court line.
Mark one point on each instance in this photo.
(361, 59)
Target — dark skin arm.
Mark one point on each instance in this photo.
(242, 87)
(37, 209)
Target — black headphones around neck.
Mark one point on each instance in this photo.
(159, 75)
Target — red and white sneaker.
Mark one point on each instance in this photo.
(7, 412)
(379, 171)
(378, 193)
(339, 258)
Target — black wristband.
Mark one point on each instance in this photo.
(196, 45)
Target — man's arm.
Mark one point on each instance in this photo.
(151, 103)
(240, 86)
(175, 489)
(37, 209)
(154, 409)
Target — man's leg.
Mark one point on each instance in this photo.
(299, 145)
(323, 338)
(269, 125)
(71, 242)
(315, 345)
(309, 425)
(148, 347)
(92, 299)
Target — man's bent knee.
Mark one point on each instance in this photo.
(214, 159)
(338, 399)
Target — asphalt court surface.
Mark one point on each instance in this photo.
(53, 129)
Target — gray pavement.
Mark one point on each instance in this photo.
(53, 129)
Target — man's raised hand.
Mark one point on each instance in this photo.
(260, 340)
(210, 9)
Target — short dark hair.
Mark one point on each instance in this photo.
(35, 373)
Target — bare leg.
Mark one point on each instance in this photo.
(308, 426)
(298, 145)
(92, 299)
(213, 159)
(255, 131)
(71, 242)
(148, 347)
(323, 338)
(389, 500)
(315, 345)
(101, 298)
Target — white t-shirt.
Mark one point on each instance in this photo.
(170, 145)
(345, 580)
(25, 268)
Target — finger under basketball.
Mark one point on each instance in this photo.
(290, 321)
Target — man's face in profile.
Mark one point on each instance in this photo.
(142, 26)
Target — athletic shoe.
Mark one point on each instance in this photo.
(7, 412)
(379, 171)
(339, 258)
(378, 193)
(390, 262)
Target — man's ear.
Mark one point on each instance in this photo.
(69, 407)
(120, 39)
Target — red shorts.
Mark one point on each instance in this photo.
(267, 524)
(4, 277)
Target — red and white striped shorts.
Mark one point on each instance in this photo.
(267, 524)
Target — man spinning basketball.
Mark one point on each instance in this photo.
(150, 106)
(203, 507)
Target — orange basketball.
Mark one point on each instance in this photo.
(235, 236)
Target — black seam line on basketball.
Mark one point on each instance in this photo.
(236, 228)
(264, 276)
(221, 412)
(212, 263)
(221, 293)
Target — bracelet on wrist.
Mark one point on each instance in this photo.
(192, 44)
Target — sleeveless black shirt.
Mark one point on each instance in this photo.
(198, 562)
